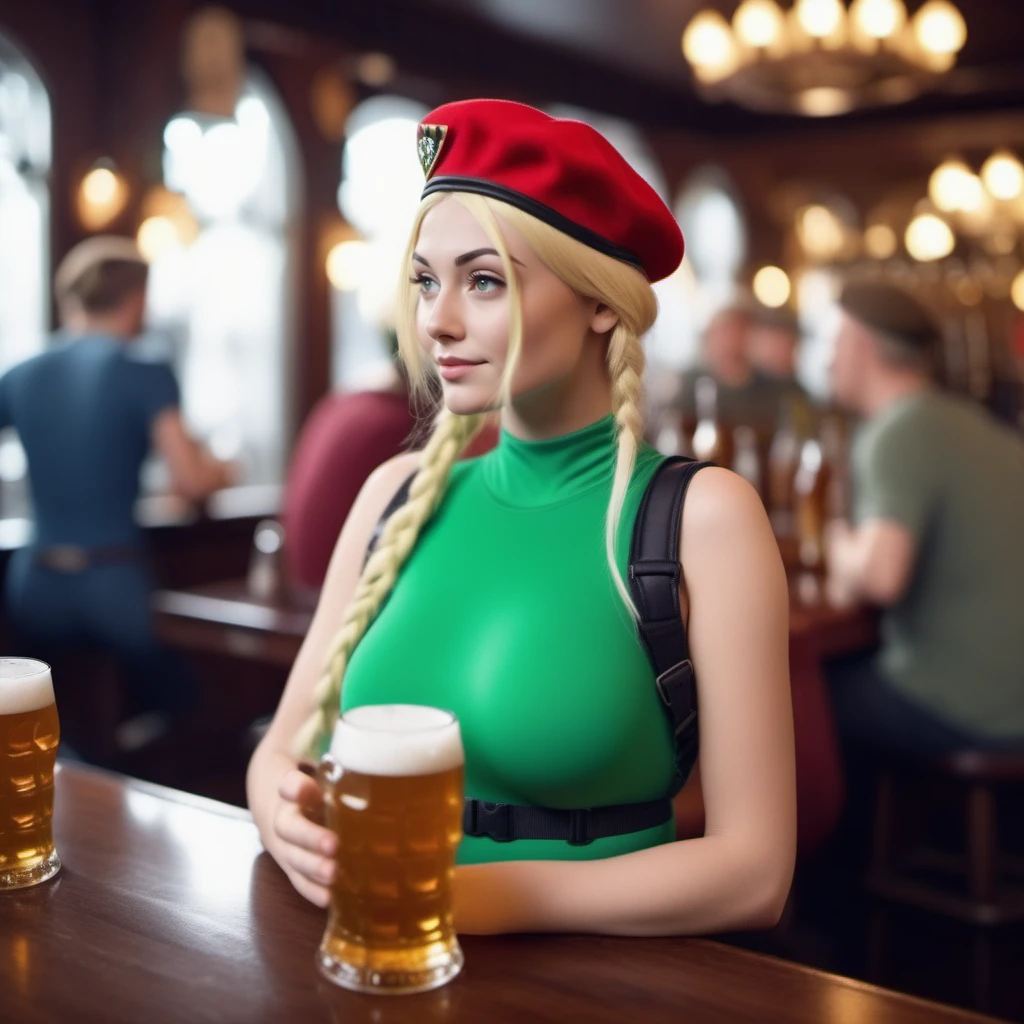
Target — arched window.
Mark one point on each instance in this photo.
(24, 234)
(665, 344)
(225, 298)
(715, 230)
(380, 191)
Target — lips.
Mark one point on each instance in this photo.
(454, 361)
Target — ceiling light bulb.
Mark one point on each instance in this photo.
(1003, 175)
(880, 19)
(707, 40)
(758, 23)
(820, 18)
(945, 186)
(929, 238)
(940, 28)
(772, 287)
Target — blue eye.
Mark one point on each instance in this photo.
(485, 283)
(427, 284)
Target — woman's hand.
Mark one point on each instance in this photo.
(303, 847)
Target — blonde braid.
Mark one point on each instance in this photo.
(449, 439)
(626, 369)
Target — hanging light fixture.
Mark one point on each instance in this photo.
(821, 57)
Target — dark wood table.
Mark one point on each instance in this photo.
(167, 911)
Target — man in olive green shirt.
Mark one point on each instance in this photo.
(938, 543)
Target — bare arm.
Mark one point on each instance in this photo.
(195, 473)
(286, 804)
(738, 874)
(872, 562)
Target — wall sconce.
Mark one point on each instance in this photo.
(102, 196)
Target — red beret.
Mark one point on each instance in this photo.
(562, 172)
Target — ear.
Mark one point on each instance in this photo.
(603, 318)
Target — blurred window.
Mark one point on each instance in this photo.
(816, 292)
(24, 234)
(665, 344)
(715, 230)
(379, 195)
(219, 236)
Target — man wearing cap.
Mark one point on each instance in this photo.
(936, 542)
(88, 411)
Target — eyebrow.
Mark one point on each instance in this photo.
(467, 257)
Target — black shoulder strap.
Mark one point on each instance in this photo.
(398, 499)
(654, 573)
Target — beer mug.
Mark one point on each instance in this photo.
(29, 734)
(393, 792)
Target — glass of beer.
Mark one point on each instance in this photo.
(393, 792)
(29, 734)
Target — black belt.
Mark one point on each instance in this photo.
(506, 822)
(73, 558)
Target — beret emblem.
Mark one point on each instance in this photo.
(429, 140)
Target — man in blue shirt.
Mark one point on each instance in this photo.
(88, 411)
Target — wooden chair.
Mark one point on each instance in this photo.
(978, 882)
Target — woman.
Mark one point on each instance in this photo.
(529, 266)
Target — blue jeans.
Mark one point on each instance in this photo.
(871, 715)
(108, 608)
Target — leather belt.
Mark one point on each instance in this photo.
(74, 558)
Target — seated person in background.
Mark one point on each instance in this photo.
(88, 411)
(744, 394)
(773, 342)
(345, 438)
(939, 507)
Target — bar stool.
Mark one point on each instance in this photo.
(980, 884)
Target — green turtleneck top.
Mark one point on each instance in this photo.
(506, 614)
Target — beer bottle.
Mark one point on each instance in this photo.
(710, 441)
(746, 460)
(811, 486)
(783, 460)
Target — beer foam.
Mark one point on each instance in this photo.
(25, 685)
(397, 739)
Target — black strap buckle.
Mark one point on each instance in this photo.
(480, 818)
(675, 687)
(652, 567)
(579, 834)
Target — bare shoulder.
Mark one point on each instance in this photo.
(725, 532)
(382, 483)
(720, 503)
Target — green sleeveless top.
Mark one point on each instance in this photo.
(506, 614)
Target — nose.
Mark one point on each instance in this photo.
(445, 320)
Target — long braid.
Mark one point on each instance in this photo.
(449, 439)
(626, 369)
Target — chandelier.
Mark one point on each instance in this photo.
(820, 57)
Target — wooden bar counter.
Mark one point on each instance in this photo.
(167, 911)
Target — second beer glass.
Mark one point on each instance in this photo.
(393, 787)
(29, 735)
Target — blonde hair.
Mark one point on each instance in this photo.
(590, 274)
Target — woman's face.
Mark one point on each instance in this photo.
(462, 313)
